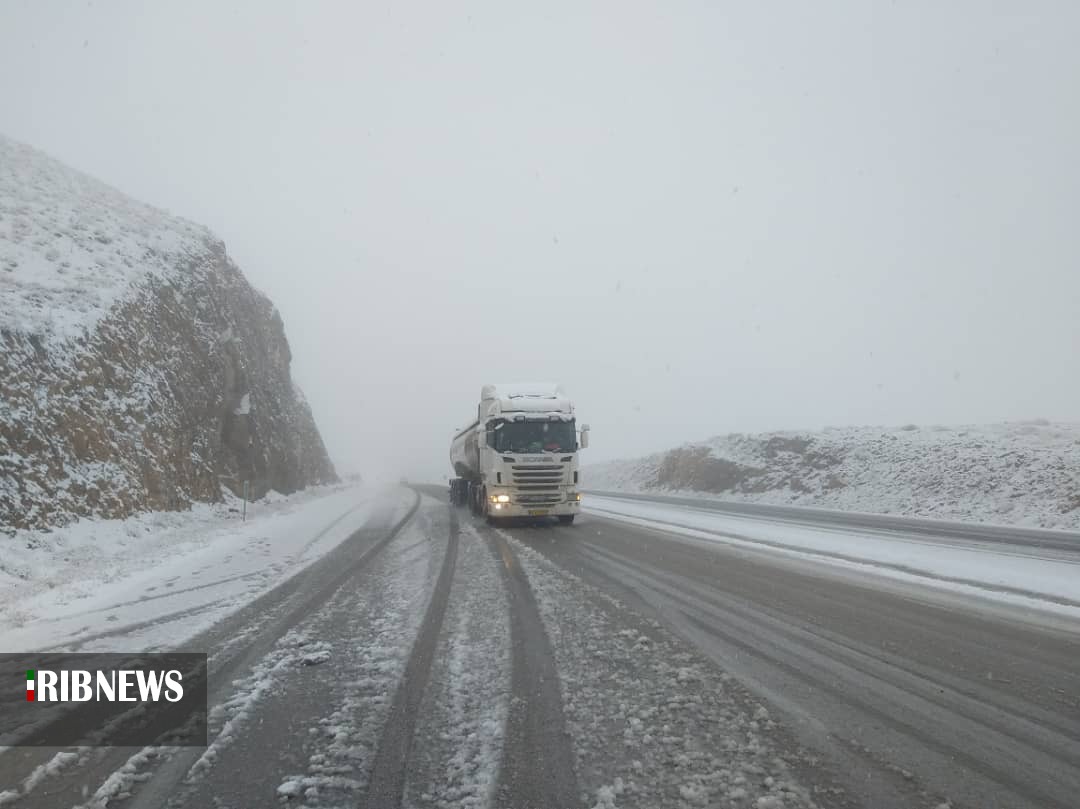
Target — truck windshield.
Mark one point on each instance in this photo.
(534, 436)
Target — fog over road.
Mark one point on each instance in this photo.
(433, 660)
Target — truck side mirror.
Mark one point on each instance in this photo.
(584, 436)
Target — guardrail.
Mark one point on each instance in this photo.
(1010, 535)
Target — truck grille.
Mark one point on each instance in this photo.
(539, 477)
(538, 499)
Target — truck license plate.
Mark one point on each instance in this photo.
(537, 512)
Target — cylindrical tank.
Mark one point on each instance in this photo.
(465, 453)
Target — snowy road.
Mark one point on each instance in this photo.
(922, 664)
(640, 658)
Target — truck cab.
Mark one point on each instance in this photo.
(520, 457)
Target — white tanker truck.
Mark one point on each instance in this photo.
(520, 457)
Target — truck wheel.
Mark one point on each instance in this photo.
(566, 519)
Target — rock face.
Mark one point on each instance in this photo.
(138, 367)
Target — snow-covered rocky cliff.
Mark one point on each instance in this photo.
(138, 367)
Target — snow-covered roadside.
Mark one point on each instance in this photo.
(1041, 579)
(1019, 473)
(164, 575)
(653, 723)
(322, 691)
(340, 662)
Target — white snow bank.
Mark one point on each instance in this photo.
(71, 246)
(1045, 579)
(157, 578)
(1023, 473)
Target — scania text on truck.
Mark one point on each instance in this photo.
(520, 457)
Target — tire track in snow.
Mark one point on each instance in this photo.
(130, 629)
(537, 769)
(655, 724)
(386, 784)
(833, 655)
(306, 732)
(871, 681)
(173, 593)
(459, 735)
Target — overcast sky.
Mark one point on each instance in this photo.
(700, 217)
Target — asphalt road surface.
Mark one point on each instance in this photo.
(432, 660)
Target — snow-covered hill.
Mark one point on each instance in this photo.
(71, 246)
(1017, 473)
(138, 368)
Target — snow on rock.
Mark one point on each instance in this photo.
(117, 392)
(1025, 473)
(71, 246)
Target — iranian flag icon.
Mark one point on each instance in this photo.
(29, 685)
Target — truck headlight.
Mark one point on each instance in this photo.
(573, 496)
(503, 498)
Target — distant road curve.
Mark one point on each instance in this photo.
(942, 530)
